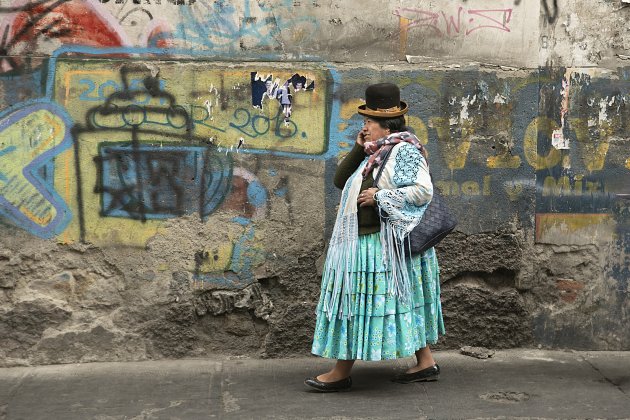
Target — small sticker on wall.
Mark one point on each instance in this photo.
(559, 141)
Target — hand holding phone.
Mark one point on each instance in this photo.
(361, 137)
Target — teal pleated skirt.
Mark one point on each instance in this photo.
(382, 327)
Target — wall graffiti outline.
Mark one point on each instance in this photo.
(28, 197)
(180, 179)
(154, 161)
(223, 26)
(200, 116)
(414, 17)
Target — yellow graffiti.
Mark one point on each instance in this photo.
(218, 100)
(216, 259)
(455, 151)
(470, 188)
(532, 79)
(98, 230)
(448, 187)
(505, 160)
(347, 110)
(432, 81)
(486, 185)
(577, 188)
(562, 186)
(551, 187)
(42, 221)
(530, 144)
(628, 163)
(573, 227)
(28, 138)
(421, 130)
(593, 155)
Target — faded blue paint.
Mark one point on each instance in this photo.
(243, 221)
(15, 87)
(223, 28)
(38, 171)
(353, 125)
(244, 258)
(256, 194)
(7, 150)
(161, 182)
(3, 152)
(281, 192)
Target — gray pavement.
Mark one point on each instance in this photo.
(512, 384)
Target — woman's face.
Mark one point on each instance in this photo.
(373, 131)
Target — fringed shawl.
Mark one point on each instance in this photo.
(405, 190)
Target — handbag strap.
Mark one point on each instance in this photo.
(381, 167)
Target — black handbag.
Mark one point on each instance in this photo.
(436, 223)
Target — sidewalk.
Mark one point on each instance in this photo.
(512, 384)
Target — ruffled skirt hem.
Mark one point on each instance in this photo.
(381, 327)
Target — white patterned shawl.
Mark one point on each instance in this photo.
(405, 190)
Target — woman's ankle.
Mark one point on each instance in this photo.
(426, 362)
(333, 376)
(424, 358)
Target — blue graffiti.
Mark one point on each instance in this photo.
(354, 125)
(245, 254)
(166, 52)
(19, 86)
(3, 152)
(135, 115)
(38, 172)
(256, 194)
(161, 182)
(220, 28)
(102, 92)
(259, 125)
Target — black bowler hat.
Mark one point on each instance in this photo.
(383, 100)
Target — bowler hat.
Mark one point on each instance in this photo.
(383, 100)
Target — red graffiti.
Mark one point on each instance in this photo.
(451, 24)
(36, 26)
(499, 21)
(159, 34)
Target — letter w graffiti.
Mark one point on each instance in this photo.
(498, 21)
(450, 22)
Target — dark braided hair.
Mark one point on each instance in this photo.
(396, 125)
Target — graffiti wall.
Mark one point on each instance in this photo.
(496, 31)
(166, 170)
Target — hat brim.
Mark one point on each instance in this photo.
(364, 110)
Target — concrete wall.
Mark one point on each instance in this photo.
(156, 202)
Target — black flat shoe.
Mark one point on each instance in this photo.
(342, 385)
(429, 374)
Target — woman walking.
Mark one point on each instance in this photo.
(378, 302)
